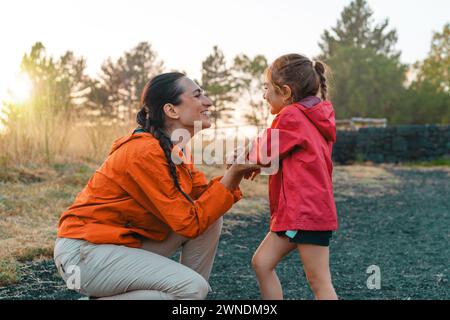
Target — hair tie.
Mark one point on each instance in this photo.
(147, 112)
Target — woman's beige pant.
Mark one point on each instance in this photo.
(118, 272)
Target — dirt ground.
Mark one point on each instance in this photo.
(394, 217)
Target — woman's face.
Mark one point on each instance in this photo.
(194, 105)
(274, 99)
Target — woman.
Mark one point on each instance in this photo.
(139, 207)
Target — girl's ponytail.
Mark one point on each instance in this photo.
(320, 69)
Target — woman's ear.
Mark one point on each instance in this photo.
(170, 111)
(286, 93)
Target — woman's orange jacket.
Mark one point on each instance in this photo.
(132, 196)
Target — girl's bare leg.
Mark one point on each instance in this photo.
(269, 253)
(317, 268)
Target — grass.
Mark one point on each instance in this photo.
(441, 162)
(8, 271)
(31, 200)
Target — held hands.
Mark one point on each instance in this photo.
(239, 162)
(239, 167)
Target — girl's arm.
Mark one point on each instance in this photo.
(277, 142)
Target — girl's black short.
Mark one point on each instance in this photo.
(320, 238)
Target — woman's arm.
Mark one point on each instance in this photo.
(232, 178)
(150, 184)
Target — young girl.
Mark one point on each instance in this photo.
(303, 212)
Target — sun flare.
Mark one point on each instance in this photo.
(20, 88)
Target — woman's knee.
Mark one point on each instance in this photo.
(196, 289)
(202, 289)
(216, 227)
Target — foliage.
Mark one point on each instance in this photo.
(218, 83)
(249, 75)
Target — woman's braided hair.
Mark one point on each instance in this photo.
(159, 91)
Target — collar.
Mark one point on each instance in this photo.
(310, 101)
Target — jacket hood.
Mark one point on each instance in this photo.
(321, 114)
(122, 140)
(125, 139)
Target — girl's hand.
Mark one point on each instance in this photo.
(231, 159)
(239, 161)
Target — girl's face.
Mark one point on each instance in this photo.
(274, 97)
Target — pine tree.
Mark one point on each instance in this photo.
(435, 69)
(249, 75)
(356, 29)
(367, 76)
(218, 83)
(117, 93)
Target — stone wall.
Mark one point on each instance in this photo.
(392, 144)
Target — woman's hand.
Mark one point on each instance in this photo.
(233, 177)
(239, 167)
(252, 175)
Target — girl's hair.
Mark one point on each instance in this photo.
(160, 90)
(304, 76)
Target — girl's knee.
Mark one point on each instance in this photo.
(318, 280)
(255, 262)
(259, 264)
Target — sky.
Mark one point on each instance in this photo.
(184, 32)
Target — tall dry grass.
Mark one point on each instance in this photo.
(45, 160)
(45, 140)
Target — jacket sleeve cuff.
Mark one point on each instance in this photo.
(236, 193)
